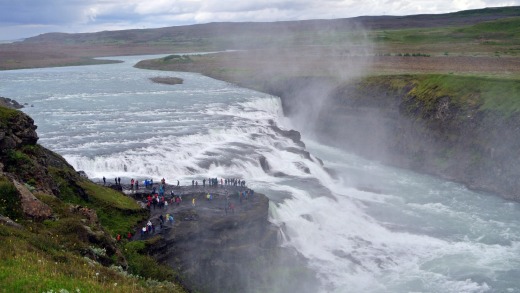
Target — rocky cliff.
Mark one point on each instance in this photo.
(463, 129)
(58, 229)
(218, 249)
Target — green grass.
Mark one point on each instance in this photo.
(117, 212)
(498, 32)
(493, 94)
(143, 265)
(37, 263)
(48, 255)
(503, 27)
(475, 92)
(108, 196)
(6, 115)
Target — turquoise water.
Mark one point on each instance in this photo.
(372, 228)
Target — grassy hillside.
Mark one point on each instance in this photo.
(73, 248)
(501, 96)
(486, 38)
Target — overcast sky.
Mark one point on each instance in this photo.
(25, 18)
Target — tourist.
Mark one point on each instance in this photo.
(193, 201)
(104, 181)
(161, 190)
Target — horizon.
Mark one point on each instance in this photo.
(29, 18)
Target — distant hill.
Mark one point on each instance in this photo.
(199, 32)
(380, 34)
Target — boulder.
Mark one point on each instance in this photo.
(8, 222)
(31, 206)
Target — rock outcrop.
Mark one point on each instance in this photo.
(10, 103)
(221, 249)
(439, 135)
(31, 206)
(16, 130)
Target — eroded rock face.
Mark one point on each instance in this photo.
(233, 251)
(469, 144)
(18, 131)
(31, 206)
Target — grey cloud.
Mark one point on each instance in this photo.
(41, 12)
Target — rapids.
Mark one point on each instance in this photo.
(369, 228)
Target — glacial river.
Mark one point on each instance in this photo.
(371, 228)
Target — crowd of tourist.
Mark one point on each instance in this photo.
(156, 198)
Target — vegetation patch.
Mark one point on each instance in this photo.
(37, 263)
(177, 59)
(466, 92)
(117, 212)
(9, 200)
(144, 265)
(109, 197)
(502, 28)
(7, 115)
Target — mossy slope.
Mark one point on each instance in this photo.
(73, 249)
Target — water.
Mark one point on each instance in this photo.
(372, 228)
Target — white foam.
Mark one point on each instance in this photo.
(373, 229)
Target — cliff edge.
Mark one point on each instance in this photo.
(461, 128)
(224, 244)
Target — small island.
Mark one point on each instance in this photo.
(167, 80)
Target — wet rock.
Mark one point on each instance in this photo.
(264, 164)
(294, 135)
(303, 168)
(307, 217)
